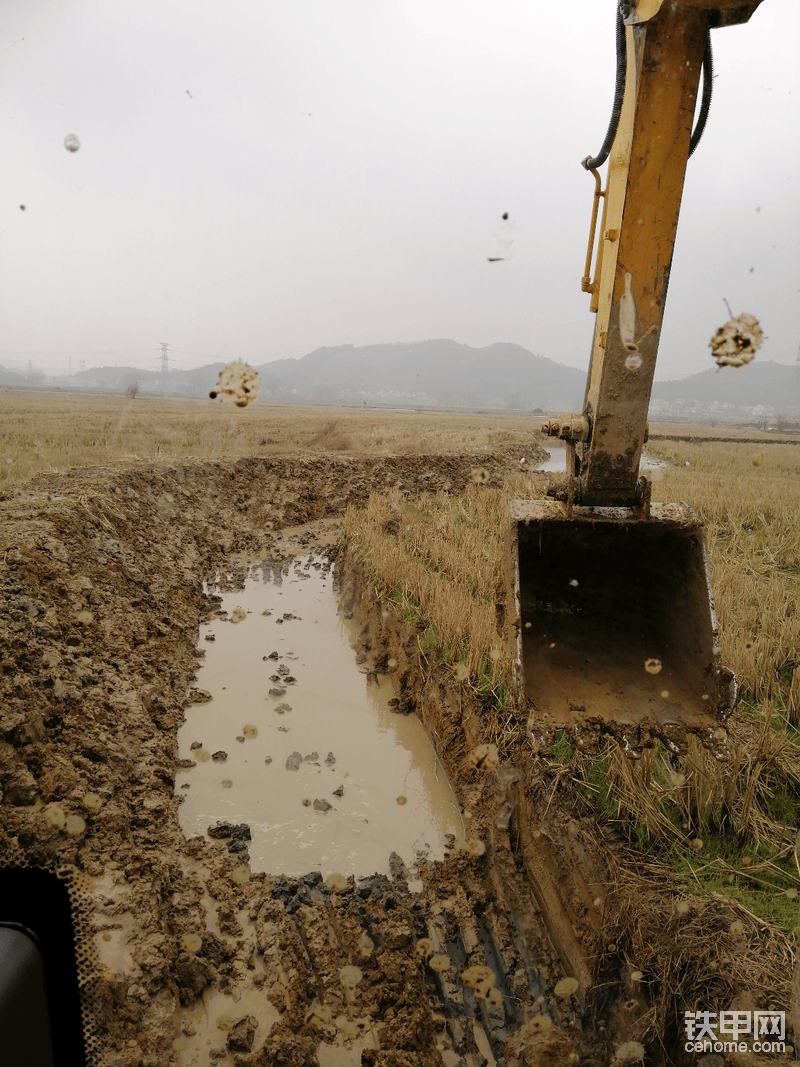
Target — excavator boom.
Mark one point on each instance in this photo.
(665, 48)
(612, 613)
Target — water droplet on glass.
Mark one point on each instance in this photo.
(318, 1014)
(440, 963)
(566, 987)
(350, 976)
(484, 758)
(191, 942)
(54, 814)
(479, 973)
(630, 1052)
(423, 947)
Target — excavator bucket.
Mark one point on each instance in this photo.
(612, 619)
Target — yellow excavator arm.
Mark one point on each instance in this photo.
(666, 46)
(608, 602)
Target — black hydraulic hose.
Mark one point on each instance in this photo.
(592, 162)
(705, 102)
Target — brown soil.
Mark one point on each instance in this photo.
(101, 594)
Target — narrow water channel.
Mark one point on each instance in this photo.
(300, 743)
(650, 465)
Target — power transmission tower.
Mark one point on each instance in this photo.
(164, 365)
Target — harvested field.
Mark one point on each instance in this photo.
(191, 957)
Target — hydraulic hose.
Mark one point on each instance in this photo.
(593, 162)
(705, 102)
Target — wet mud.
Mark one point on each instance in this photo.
(191, 956)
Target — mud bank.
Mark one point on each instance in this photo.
(189, 957)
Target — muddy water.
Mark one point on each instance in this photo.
(650, 465)
(300, 743)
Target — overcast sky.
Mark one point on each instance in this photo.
(258, 178)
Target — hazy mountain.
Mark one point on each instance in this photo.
(195, 382)
(447, 374)
(440, 372)
(768, 384)
(12, 377)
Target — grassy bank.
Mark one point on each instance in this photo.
(727, 827)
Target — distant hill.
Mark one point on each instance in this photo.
(766, 384)
(426, 373)
(430, 372)
(443, 373)
(195, 382)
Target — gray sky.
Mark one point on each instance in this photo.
(261, 177)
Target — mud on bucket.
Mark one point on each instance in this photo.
(611, 618)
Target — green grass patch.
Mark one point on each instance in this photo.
(562, 751)
(764, 882)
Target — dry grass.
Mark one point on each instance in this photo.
(439, 558)
(750, 796)
(749, 499)
(691, 953)
(55, 431)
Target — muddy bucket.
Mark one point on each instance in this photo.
(611, 618)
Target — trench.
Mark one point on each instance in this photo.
(102, 599)
(300, 743)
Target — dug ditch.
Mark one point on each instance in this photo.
(190, 956)
(305, 751)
